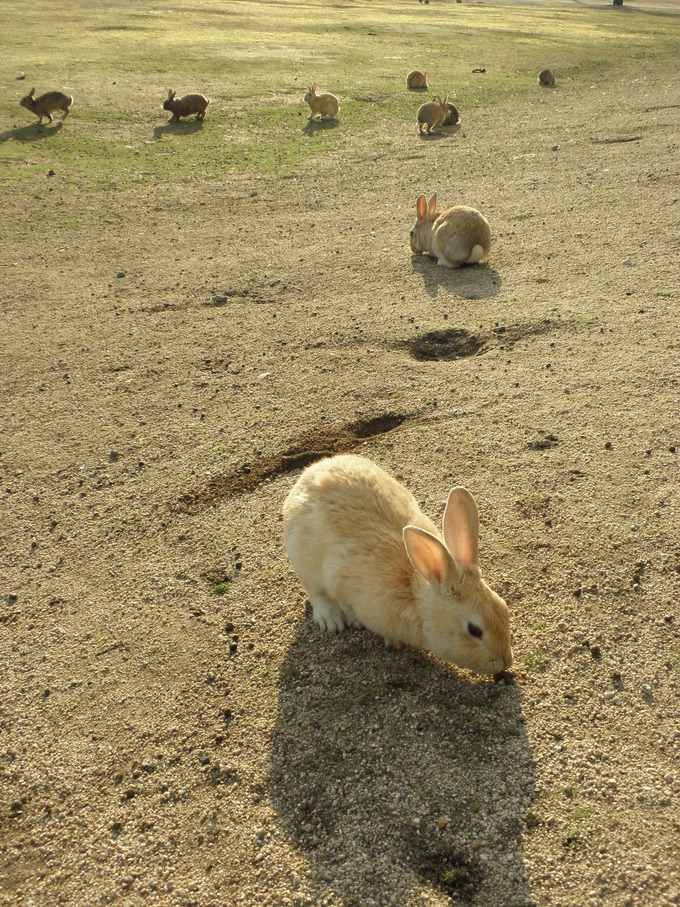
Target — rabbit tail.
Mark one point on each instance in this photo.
(475, 255)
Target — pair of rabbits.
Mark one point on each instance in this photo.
(51, 101)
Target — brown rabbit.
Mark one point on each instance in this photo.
(455, 237)
(452, 116)
(186, 106)
(432, 115)
(545, 77)
(416, 79)
(46, 104)
(325, 106)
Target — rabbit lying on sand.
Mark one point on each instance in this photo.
(367, 556)
(47, 103)
(458, 236)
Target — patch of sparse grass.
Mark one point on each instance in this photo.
(120, 62)
(535, 662)
(221, 588)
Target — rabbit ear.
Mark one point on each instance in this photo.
(461, 527)
(421, 206)
(432, 204)
(427, 554)
(313, 86)
(446, 100)
(31, 92)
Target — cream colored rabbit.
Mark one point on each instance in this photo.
(324, 105)
(367, 556)
(458, 236)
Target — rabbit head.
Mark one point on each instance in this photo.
(463, 620)
(420, 236)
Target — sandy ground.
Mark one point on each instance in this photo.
(173, 727)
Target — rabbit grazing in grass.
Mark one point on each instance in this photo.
(546, 77)
(432, 115)
(325, 106)
(416, 79)
(46, 104)
(368, 557)
(458, 236)
(186, 106)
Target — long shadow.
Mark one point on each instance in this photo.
(31, 133)
(313, 126)
(469, 281)
(178, 127)
(394, 774)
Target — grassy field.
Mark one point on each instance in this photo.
(255, 61)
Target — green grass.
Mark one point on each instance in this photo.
(254, 60)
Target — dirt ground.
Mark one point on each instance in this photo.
(174, 729)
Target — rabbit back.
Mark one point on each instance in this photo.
(416, 79)
(460, 235)
(343, 530)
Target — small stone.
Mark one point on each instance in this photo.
(607, 445)
(218, 300)
(595, 651)
(50, 172)
(120, 274)
(555, 148)
(626, 261)
(113, 456)
(442, 822)
(672, 448)
(228, 627)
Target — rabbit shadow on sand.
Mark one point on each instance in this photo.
(312, 126)
(469, 281)
(402, 768)
(32, 132)
(178, 127)
(441, 133)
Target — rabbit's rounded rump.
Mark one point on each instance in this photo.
(416, 79)
(367, 556)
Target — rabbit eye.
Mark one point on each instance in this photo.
(475, 631)
(413, 232)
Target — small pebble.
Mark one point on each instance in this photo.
(595, 651)
(120, 274)
(626, 261)
(50, 172)
(608, 445)
(555, 148)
